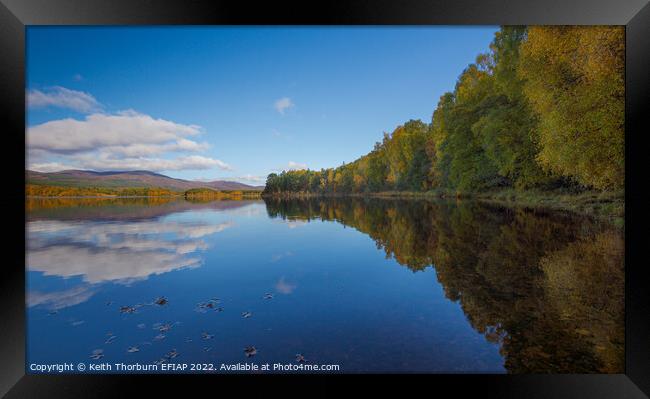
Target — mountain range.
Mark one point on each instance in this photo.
(136, 178)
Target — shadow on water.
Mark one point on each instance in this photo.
(547, 287)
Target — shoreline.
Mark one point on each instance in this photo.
(608, 206)
(100, 196)
(180, 195)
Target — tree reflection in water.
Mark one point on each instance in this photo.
(548, 287)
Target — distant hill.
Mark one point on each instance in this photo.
(136, 178)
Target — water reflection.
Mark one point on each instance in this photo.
(284, 287)
(127, 208)
(549, 288)
(84, 238)
(60, 299)
(123, 252)
(482, 288)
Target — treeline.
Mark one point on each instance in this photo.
(37, 190)
(542, 109)
(209, 194)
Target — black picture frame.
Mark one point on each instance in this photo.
(15, 15)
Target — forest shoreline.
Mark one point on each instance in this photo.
(537, 122)
(608, 206)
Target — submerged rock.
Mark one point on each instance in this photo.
(127, 309)
(161, 361)
(163, 327)
(161, 301)
(97, 354)
(210, 304)
(250, 351)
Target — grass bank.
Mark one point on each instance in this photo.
(605, 205)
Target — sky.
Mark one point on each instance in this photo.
(233, 103)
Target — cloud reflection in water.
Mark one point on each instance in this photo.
(117, 252)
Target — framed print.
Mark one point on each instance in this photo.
(420, 192)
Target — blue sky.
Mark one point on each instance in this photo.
(231, 102)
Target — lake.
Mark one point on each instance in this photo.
(370, 285)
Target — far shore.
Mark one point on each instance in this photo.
(609, 206)
(101, 196)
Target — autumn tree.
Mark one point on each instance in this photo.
(542, 108)
(575, 81)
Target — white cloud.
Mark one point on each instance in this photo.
(49, 167)
(283, 104)
(138, 150)
(246, 179)
(126, 128)
(191, 162)
(61, 97)
(296, 165)
(281, 256)
(127, 140)
(251, 179)
(291, 165)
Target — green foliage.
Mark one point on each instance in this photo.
(469, 167)
(400, 162)
(575, 80)
(542, 109)
(507, 129)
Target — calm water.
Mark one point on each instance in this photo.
(370, 285)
